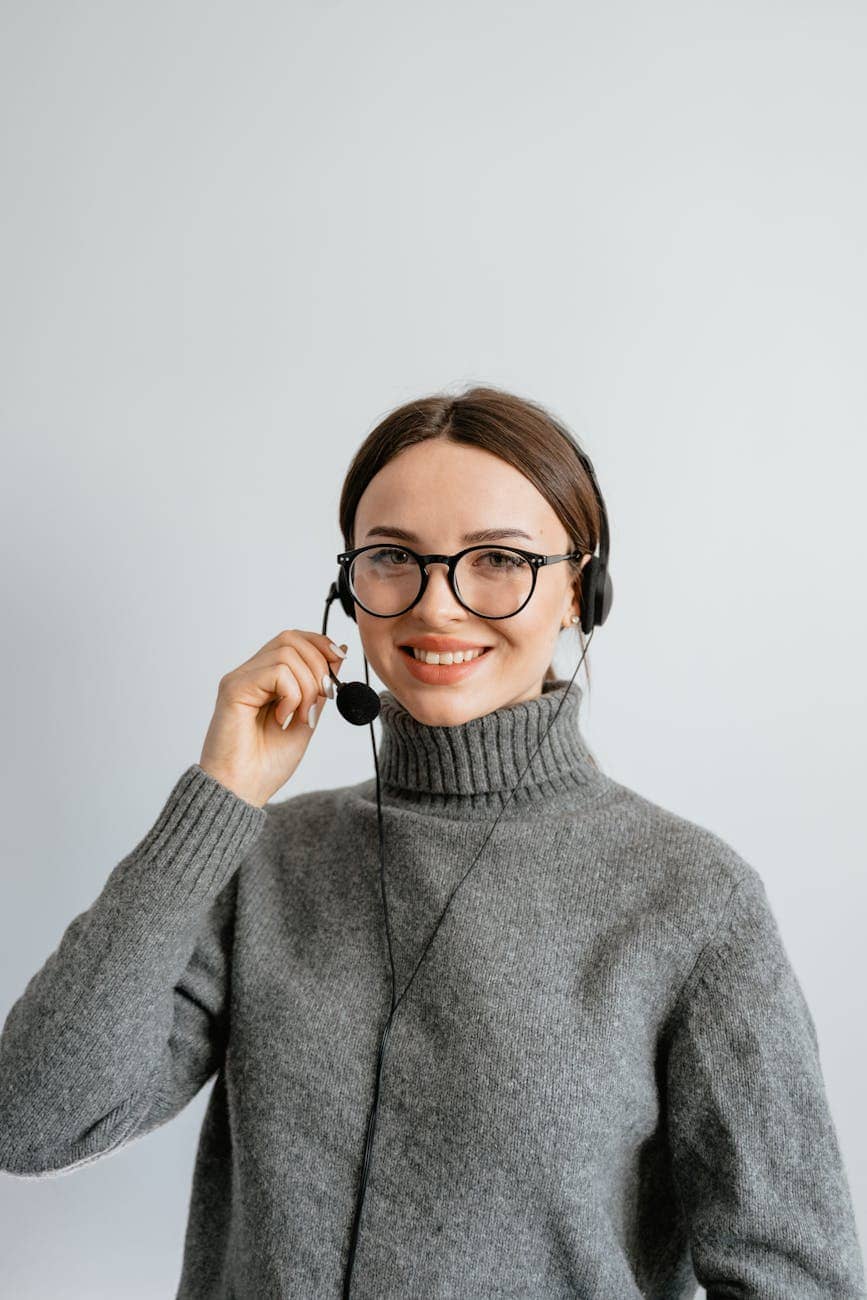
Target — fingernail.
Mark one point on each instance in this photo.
(289, 719)
(327, 686)
(338, 649)
(312, 716)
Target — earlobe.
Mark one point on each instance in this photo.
(573, 613)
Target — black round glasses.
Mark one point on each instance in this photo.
(490, 581)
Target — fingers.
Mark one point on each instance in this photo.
(297, 667)
(320, 665)
(294, 699)
(299, 685)
(317, 679)
(295, 636)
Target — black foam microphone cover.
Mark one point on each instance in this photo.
(357, 702)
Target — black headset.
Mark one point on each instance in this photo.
(359, 704)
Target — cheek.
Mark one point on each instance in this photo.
(534, 632)
(532, 625)
(375, 636)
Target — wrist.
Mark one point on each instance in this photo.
(236, 787)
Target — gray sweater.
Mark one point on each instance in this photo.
(603, 1083)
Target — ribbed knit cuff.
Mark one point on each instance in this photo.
(196, 843)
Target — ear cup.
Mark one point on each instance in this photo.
(597, 593)
(345, 595)
(604, 599)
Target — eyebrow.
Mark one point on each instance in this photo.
(481, 535)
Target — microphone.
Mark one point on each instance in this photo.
(357, 702)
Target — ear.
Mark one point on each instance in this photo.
(570, 609)
(574, 606)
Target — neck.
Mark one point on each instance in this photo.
(471, 769)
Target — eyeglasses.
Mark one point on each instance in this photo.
(490, 581)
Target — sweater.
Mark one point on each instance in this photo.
(604, 1081)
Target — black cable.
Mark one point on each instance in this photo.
(395, 1002)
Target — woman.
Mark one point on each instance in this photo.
(601, 1078)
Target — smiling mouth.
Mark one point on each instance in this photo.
(444, 656)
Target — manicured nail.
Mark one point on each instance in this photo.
(289, 719)
(312, 716)
(327, 686)
(338, 649)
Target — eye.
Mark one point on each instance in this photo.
(500, 559)
(389, 556)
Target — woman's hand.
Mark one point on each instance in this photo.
(247, 748)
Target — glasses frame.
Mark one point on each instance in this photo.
(536, 560)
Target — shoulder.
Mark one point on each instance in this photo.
(676, 865)
(305, 837)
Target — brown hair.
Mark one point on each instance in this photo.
(517, 430)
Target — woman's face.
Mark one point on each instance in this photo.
(430, 497)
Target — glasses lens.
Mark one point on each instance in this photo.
(385, 579)
(494, 581)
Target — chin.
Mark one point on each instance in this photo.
(444, 712)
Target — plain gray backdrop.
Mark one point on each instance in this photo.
(234, 237)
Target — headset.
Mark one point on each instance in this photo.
(359, 704)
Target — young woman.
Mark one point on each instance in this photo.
(550, 1044)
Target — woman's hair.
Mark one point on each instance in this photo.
(518, 431)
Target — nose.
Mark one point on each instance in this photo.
(439, 603)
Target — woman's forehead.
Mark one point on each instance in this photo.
(467, 489)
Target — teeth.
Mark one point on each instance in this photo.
(447, 657)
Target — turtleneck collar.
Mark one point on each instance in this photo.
(472, 768)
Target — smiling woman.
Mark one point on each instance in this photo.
(579, 1063)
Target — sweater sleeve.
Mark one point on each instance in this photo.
(125, 1021)
(754, 1149)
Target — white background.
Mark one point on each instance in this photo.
(234, 237)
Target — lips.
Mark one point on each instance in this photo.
(442, 674)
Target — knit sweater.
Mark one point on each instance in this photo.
(603, 1083)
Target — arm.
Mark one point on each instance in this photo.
(125, 1021)
(754, 1149)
